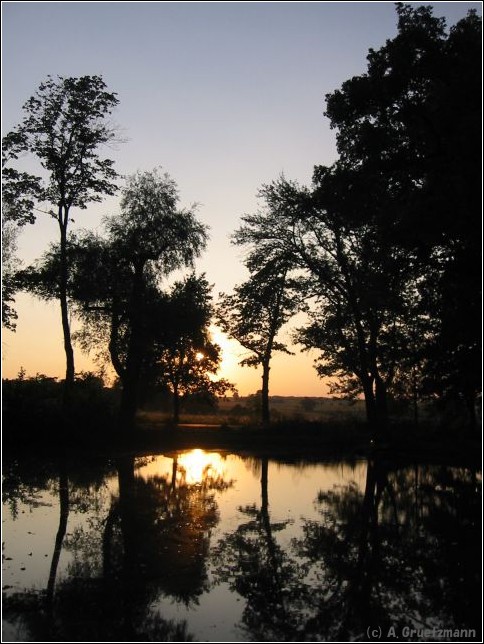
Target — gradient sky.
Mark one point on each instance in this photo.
(224, 96)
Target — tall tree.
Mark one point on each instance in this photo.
(384, 272)
(151, 234)
(253, 315)
(361, 281)
(64, 126)
(354, 288)
(410, 128)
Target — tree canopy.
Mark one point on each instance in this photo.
(383, 245)
(65, 124)
(382, 253)
(259, 307)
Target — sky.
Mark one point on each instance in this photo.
(223, 96)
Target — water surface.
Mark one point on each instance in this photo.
(201, 546)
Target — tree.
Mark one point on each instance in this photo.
(361, 281)
(254, 314)
(365, 239)
(114, 280)
(153, 237)
(356, 288)
(63, 128)
(184, 358)
(333, 263)
(410, 129)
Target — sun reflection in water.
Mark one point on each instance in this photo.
(198, 464)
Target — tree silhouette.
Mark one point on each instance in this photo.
(114, 279)
(408, 132)
(379, 271)
(184, 357)
(254, 314)
(63, 128)
(259, 569)
(150, 230)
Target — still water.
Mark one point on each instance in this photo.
(200, 546)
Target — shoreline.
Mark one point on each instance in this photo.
(291, 442)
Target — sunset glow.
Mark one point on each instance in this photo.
(241, 321)
(197, 464)
(222, 119)
(231, 350)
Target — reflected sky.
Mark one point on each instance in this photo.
(213, 546)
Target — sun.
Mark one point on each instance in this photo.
(230, 350)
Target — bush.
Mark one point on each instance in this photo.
(33, 406)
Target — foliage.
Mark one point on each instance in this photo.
(408, 133)
(152, 228)
(9, 265)
(32, 408)
(184, 357)
(254, 314)
(115, 282)
(63, 128)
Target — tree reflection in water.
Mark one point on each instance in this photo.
(400, 550)
(259, 569)
(400, 553)
(153, 540)
(397, 555)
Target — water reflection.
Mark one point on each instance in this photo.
(404, 553)
(151, 537)
(299, 553)
(259, 569)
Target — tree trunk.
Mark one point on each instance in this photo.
(276, 586)
(127, 513)
(108, 539)
(264, 485)
(129, 401)
(266, 414)
(370, 406)
(381, 404)
(61, 531)
(70, 372)
(368, 538)
(174, 469)
(134, 358)
(176, 405)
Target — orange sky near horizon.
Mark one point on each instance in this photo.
(37, 347)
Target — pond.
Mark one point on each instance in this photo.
(209, 546)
